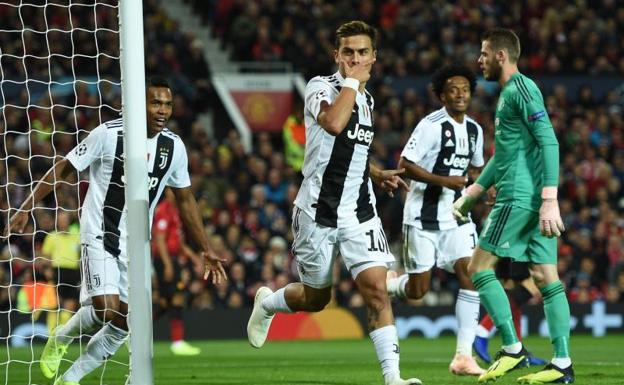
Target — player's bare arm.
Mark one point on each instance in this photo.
(189, 212)
(59, 171)
(163, 253)
(334, 117)
(389, 180)
(198, 263)
(417, 173)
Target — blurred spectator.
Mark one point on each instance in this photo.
(61, 248)
(294, 139)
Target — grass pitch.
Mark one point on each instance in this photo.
(597, 361)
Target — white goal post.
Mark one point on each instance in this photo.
(135, 139)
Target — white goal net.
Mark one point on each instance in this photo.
(59, 78)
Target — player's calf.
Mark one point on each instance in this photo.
(412, 286)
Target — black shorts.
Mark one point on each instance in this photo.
(68, 283)
(168, 289)
(508, 269)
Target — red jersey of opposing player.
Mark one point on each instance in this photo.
(168, 223)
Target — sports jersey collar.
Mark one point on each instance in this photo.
(515, 75)
(451, 119)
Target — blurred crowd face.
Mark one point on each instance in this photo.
(63, 220)
(354, 50)
(488, 62)
(159, 109)
(456, 95)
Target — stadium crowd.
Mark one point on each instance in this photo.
(246, 199)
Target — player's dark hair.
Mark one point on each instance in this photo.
(502, 38)
(354, 28)
(440, 77)
(158, 82)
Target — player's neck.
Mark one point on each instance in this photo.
(508, 71)
(456, 116)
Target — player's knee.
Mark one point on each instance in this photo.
(317, 303)
(106, 307)
(473, 268)
(543, 274)
(106, 315)
(120, 321)
(417, 290)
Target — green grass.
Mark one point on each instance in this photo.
(598, 361)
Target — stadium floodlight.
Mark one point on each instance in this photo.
(61, 67)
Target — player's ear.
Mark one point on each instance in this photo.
(336, 58)
(501, 55)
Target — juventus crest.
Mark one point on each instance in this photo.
(164, 156)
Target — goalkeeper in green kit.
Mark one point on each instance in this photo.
(525, 221)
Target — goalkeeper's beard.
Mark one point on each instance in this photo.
(494, 71)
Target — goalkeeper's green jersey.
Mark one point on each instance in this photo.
(527, 152)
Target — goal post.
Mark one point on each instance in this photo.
(135, 150)
(60, 67)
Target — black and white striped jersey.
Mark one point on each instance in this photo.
(336, 190)
(441, 146)
(104, 209)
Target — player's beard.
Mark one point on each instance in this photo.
(495, 71)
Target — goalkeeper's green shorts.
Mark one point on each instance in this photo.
(514, 232)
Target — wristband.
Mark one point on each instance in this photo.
(352, 83)
(549, 193)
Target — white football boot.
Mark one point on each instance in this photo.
(259, 321)
(400, 381)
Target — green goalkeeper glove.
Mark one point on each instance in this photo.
(464, 204)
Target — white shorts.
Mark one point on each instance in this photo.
(316, 247)
(102, 273)
(424, 249)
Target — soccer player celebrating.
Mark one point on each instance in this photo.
(335, 208)
(525, 219)
(436, 158)
(103, 234)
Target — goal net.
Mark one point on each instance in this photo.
(59, 78)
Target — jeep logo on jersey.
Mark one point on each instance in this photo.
(457, 161)
(361, 134)
(153, 182)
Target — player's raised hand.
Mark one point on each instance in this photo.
(389, 180)
(360, 71)
(455, 182)
(551, 224)
(213, 265)
(16, 224)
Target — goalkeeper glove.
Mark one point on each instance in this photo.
(551, 224)
(464, 204)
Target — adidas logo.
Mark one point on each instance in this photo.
(449, 143)
(505, 245)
